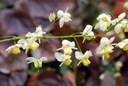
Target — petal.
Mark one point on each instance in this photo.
(78, 55)
(101, 16)
(30, 59)
(87, 29)
(103, 26)
(60, 13)
(61, 22)
(97, 25)
(10, 48)
(88, 54)
(111, 40)
(72, 44)
(65, 42)
(43, 59)
(121, 44)
(104, 40)
(122, 15)
(118, 28)
(59, 57)
(66, 56)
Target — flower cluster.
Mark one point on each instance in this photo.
(65, 58)
(28, 42)
(64, 53)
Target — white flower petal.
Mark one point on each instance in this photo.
(118, 28)
(97, 25)
(60, 14)
(122, 15)
(111, 40)
(103, 26)
(122, 43)
(88, 54)
(59, 56)
(87, 29)
(31, 59)
(104, 40)
(43, 59)
(78, 55)
(61, 22)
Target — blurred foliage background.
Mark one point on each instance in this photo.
(18, 17)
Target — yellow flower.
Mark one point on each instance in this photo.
(84, 58)
(67, 47)
(65, 59)
(36, 35)
(37, 62)
(87, 33)
(105, 47)
(64, 17)
(15, 49)
(27, 44)
(104, 22)
(121, 28)
(123, 45)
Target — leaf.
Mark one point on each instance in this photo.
(43, 78)
(15, 22)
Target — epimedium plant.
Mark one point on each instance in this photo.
(32, 40)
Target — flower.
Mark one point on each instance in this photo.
(65, 59)
(27, 44)
(37, 34)
(37, 62)
(87, 33)
(121, 27)
(15, 49)
(123, 45)
(52, 17)
(67, 46)
(64, 17)
(104, 22)
(105, 47)
(84, 58)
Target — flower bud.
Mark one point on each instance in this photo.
(52, 17)
(118, 65)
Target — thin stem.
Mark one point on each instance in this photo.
(44, 37)
(77, 44)
(53, 37)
